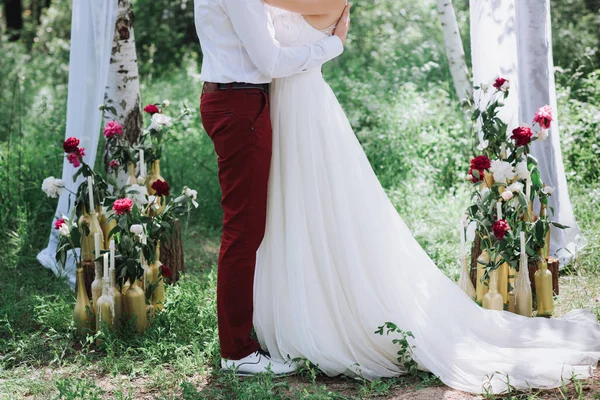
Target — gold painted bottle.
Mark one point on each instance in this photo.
(87, 241)
(543, 282)
(135, 306)
(107, 226)
(158, 295)
(503, 282)
(82, 314)
(154, 176)
(481, 286)
(131, 178)
(493, 299)
(117, 297)
(97, 288)
(524, 297)
(105, 309)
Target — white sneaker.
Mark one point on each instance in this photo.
(257, 363)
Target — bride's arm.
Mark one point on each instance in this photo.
(309, 7)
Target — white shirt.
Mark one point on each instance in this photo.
(238, 44)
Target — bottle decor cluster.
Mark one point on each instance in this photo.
(118, 220)
(510, 238)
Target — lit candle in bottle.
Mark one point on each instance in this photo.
(105, 265)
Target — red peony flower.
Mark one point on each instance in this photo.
(522, 136)
(113, 128)
(161, 188)
(59, 223)
(479, 163)
(166, 271)
(499, 82)
(80, 152)
(500, 228)
(543, 116)
(122, 206)
(70, 145)
(114, 164)
(151, 109)
(74, 159)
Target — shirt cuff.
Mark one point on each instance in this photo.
(333, 46)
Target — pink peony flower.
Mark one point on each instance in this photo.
(151, 109)
(113, 128)
(501, 84)
(74, 159)
(122, 206)
(114, 164)
(59, 223)
(543, 116)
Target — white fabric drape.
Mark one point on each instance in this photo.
(92, 30)
(512, 39)
(534, 44)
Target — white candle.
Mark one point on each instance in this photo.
(528, 189)
(523, 251)
(463, 250)
(499, 210)
(105, 265)
(142, 163)
(90, 193)
(503, 151)
(97, 244)
(112, 252)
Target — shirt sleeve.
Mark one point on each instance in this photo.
(251, 24)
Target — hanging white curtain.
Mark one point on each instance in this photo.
(536, 75)
(92, 29)
(493, 51)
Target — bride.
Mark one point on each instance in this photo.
(337, 260)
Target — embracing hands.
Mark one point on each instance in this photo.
(343, 25)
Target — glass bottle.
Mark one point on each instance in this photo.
(97, 286)
(87, 241)
(493, 299)
(158, 295)
(481, 286)
(131, 178)
(503, 282)
(117, 296)
(543, 280)
(82, 314)
(105, 309)
(524, 297)
(154, 176)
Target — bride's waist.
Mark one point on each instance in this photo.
(308, 74)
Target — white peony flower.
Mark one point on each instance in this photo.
(64, 230)
(137, 194)
(548, 190)
(154, 202)
(483, 144)
(521, 170)
(516, 187)
(469, 177)
(136, 229)
(159, 121)
(502, 170)
(166, 103)
(53, 187)
(192, 194)
(505, 86)
(141, 180)
(543, 134)
(471, 229)
(507, 195)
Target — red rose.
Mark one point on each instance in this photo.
(122, 206)
(479, 163)
(500, 228)
(113, 128)
(151, 109)
(70, 145)
(59, 223)
(114, 164)
(166, 271)
(499, 82)
(522, 136)
(74, 159)
(161, 188)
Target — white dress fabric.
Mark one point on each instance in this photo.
(337, 261)
(92, 31)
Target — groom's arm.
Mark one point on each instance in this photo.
(251, 24)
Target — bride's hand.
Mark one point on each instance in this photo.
(343, 25)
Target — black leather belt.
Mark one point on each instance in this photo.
(243, 86)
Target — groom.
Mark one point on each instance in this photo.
(240, 58)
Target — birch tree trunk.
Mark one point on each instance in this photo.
(454, 50)
(123, 86)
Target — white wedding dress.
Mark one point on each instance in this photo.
(337, 261)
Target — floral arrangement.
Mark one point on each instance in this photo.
(507, 180)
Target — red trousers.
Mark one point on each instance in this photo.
(239, 125)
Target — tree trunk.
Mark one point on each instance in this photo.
(454, 50)
(123, 87)
(171, 252)
(13, 9)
